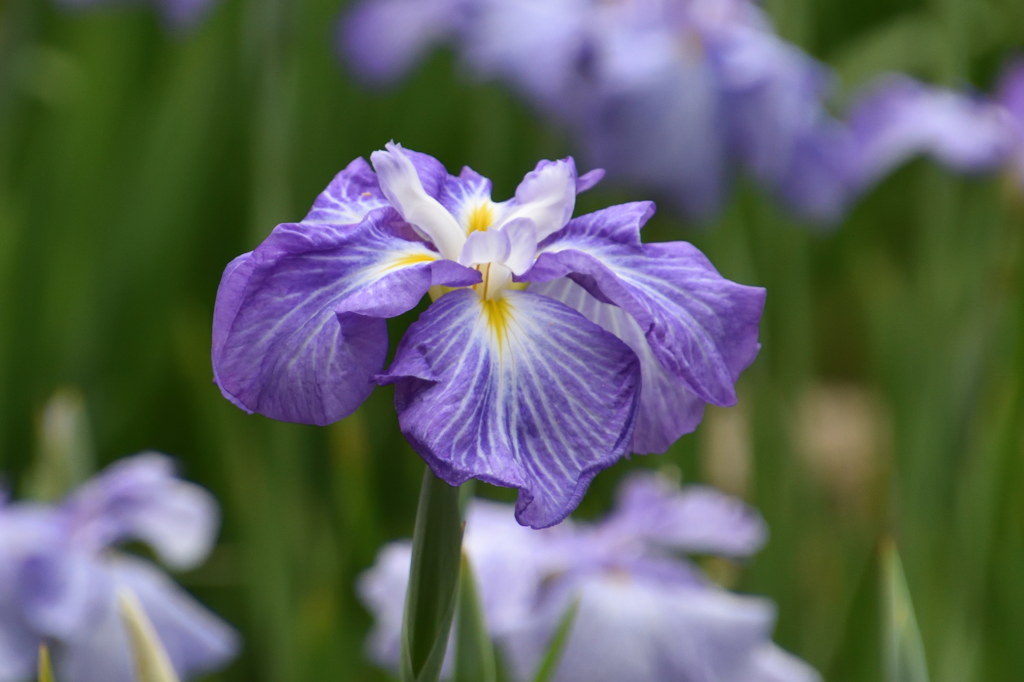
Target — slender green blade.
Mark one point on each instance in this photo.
(549, 664)
(904, 652)
(433, 580)
(151, 661)
(45, 667)
(474, 653)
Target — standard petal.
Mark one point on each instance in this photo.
(402, 183)
(297, 335)
(668, 408)
(141, 498)
(700, 326)
(547, 196)
(520, 392)
(696, 519)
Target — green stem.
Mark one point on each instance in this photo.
(433, 580)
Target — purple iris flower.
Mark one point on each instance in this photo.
(673, 97)
(644, 612)
(554, 345)
(900, 118)
(60, 575)
(179, 14)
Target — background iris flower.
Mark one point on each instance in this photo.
(60, 575)
(644, 612)
(676, 98)
(555, 346)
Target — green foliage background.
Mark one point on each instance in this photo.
(134, 164)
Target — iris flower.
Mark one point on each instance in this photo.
(554, 345)
(60, 575)
(675, 97)
(645, 613)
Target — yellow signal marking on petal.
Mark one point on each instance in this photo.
(498, 314)
(480, 218)
(366, 194)
(411, 259)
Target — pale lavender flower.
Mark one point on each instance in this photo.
(60, 573)
(673, 97)
(555, 345)
(644, 612)
(900, 118)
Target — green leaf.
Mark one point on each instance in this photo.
(474, 653)
(549, 664)
(433, 581)
(45, 667)
(151, 661)
(904, 652)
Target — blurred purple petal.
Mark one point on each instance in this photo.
(696, 519)
(900, 118)
(643, 613)
(141, 499)
(384, 39)
(60, 574)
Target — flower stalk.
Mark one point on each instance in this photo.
(433, 581)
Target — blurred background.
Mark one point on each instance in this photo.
(884, 416)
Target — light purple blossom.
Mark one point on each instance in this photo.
(644, 613)
(900, 118)
(180, 14)
(60, 573)
(674, 97)
(554, 347)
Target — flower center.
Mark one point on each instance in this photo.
(480, 218)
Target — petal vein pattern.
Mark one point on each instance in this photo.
(700, 326)
(298, 323)
(668, 408)
(521, 392)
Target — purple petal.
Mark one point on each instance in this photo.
(297, 331)
(383, 39)
(900, 118)
(668, 408)
(196, 640)
(521, 392)
(632, 628)
(141, 498)
(58, 590)
(700, 326)
(655, 122)
(25, 532)
(352, 194)
(463, 193)
(771, 664)
(546, 196)
(696, 519)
